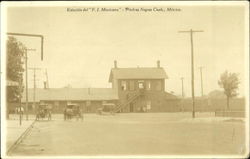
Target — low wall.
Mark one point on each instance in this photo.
(212, 105)
(229, 113)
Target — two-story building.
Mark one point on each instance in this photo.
(142, 89)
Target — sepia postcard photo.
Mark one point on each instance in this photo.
(125, 79)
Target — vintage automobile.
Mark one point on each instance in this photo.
(107, 108)
(72, 110)
(43, 111)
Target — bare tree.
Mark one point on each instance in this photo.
(229, 82)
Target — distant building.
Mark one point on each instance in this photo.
(89, 99)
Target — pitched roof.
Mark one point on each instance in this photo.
(53, 94)
(138, 73)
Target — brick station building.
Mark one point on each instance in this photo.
(142, 89)
(133, 90)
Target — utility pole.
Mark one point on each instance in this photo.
(26, 82)
(26, 85)
(47, 79)
(182, 93)
(192, 65)
(34, 90)
(201, 80)
(182, 89)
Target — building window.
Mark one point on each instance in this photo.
(124, 85)
(141, 84)
(131, 85)
(158, 85)
(148, 85)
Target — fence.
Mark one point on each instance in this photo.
(213, 104)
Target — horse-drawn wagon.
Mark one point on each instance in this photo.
(72, 110)
(43, 111)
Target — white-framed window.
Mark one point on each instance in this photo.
(141, 84)
(148, 85)
(124, 85)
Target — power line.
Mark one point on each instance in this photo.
(192, 65)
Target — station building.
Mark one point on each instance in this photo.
(133, 90)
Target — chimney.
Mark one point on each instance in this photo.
(158, 64)
(115, 64)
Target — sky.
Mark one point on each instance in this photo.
(80, 47)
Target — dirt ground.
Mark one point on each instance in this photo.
(136, 134)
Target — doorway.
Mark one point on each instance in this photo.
(131, 107)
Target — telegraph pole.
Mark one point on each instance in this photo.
(201, 81)
(182, 89)
(182, 93)
(34, 90)
(47, 79)
(192, 65)
(26, 82)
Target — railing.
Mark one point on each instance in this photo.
(129, 100)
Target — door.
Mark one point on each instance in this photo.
(131, 107)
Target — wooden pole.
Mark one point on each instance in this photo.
(192, 66)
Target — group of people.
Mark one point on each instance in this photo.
(19, 110)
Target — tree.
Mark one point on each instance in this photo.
(15, 57)
(229, 82)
